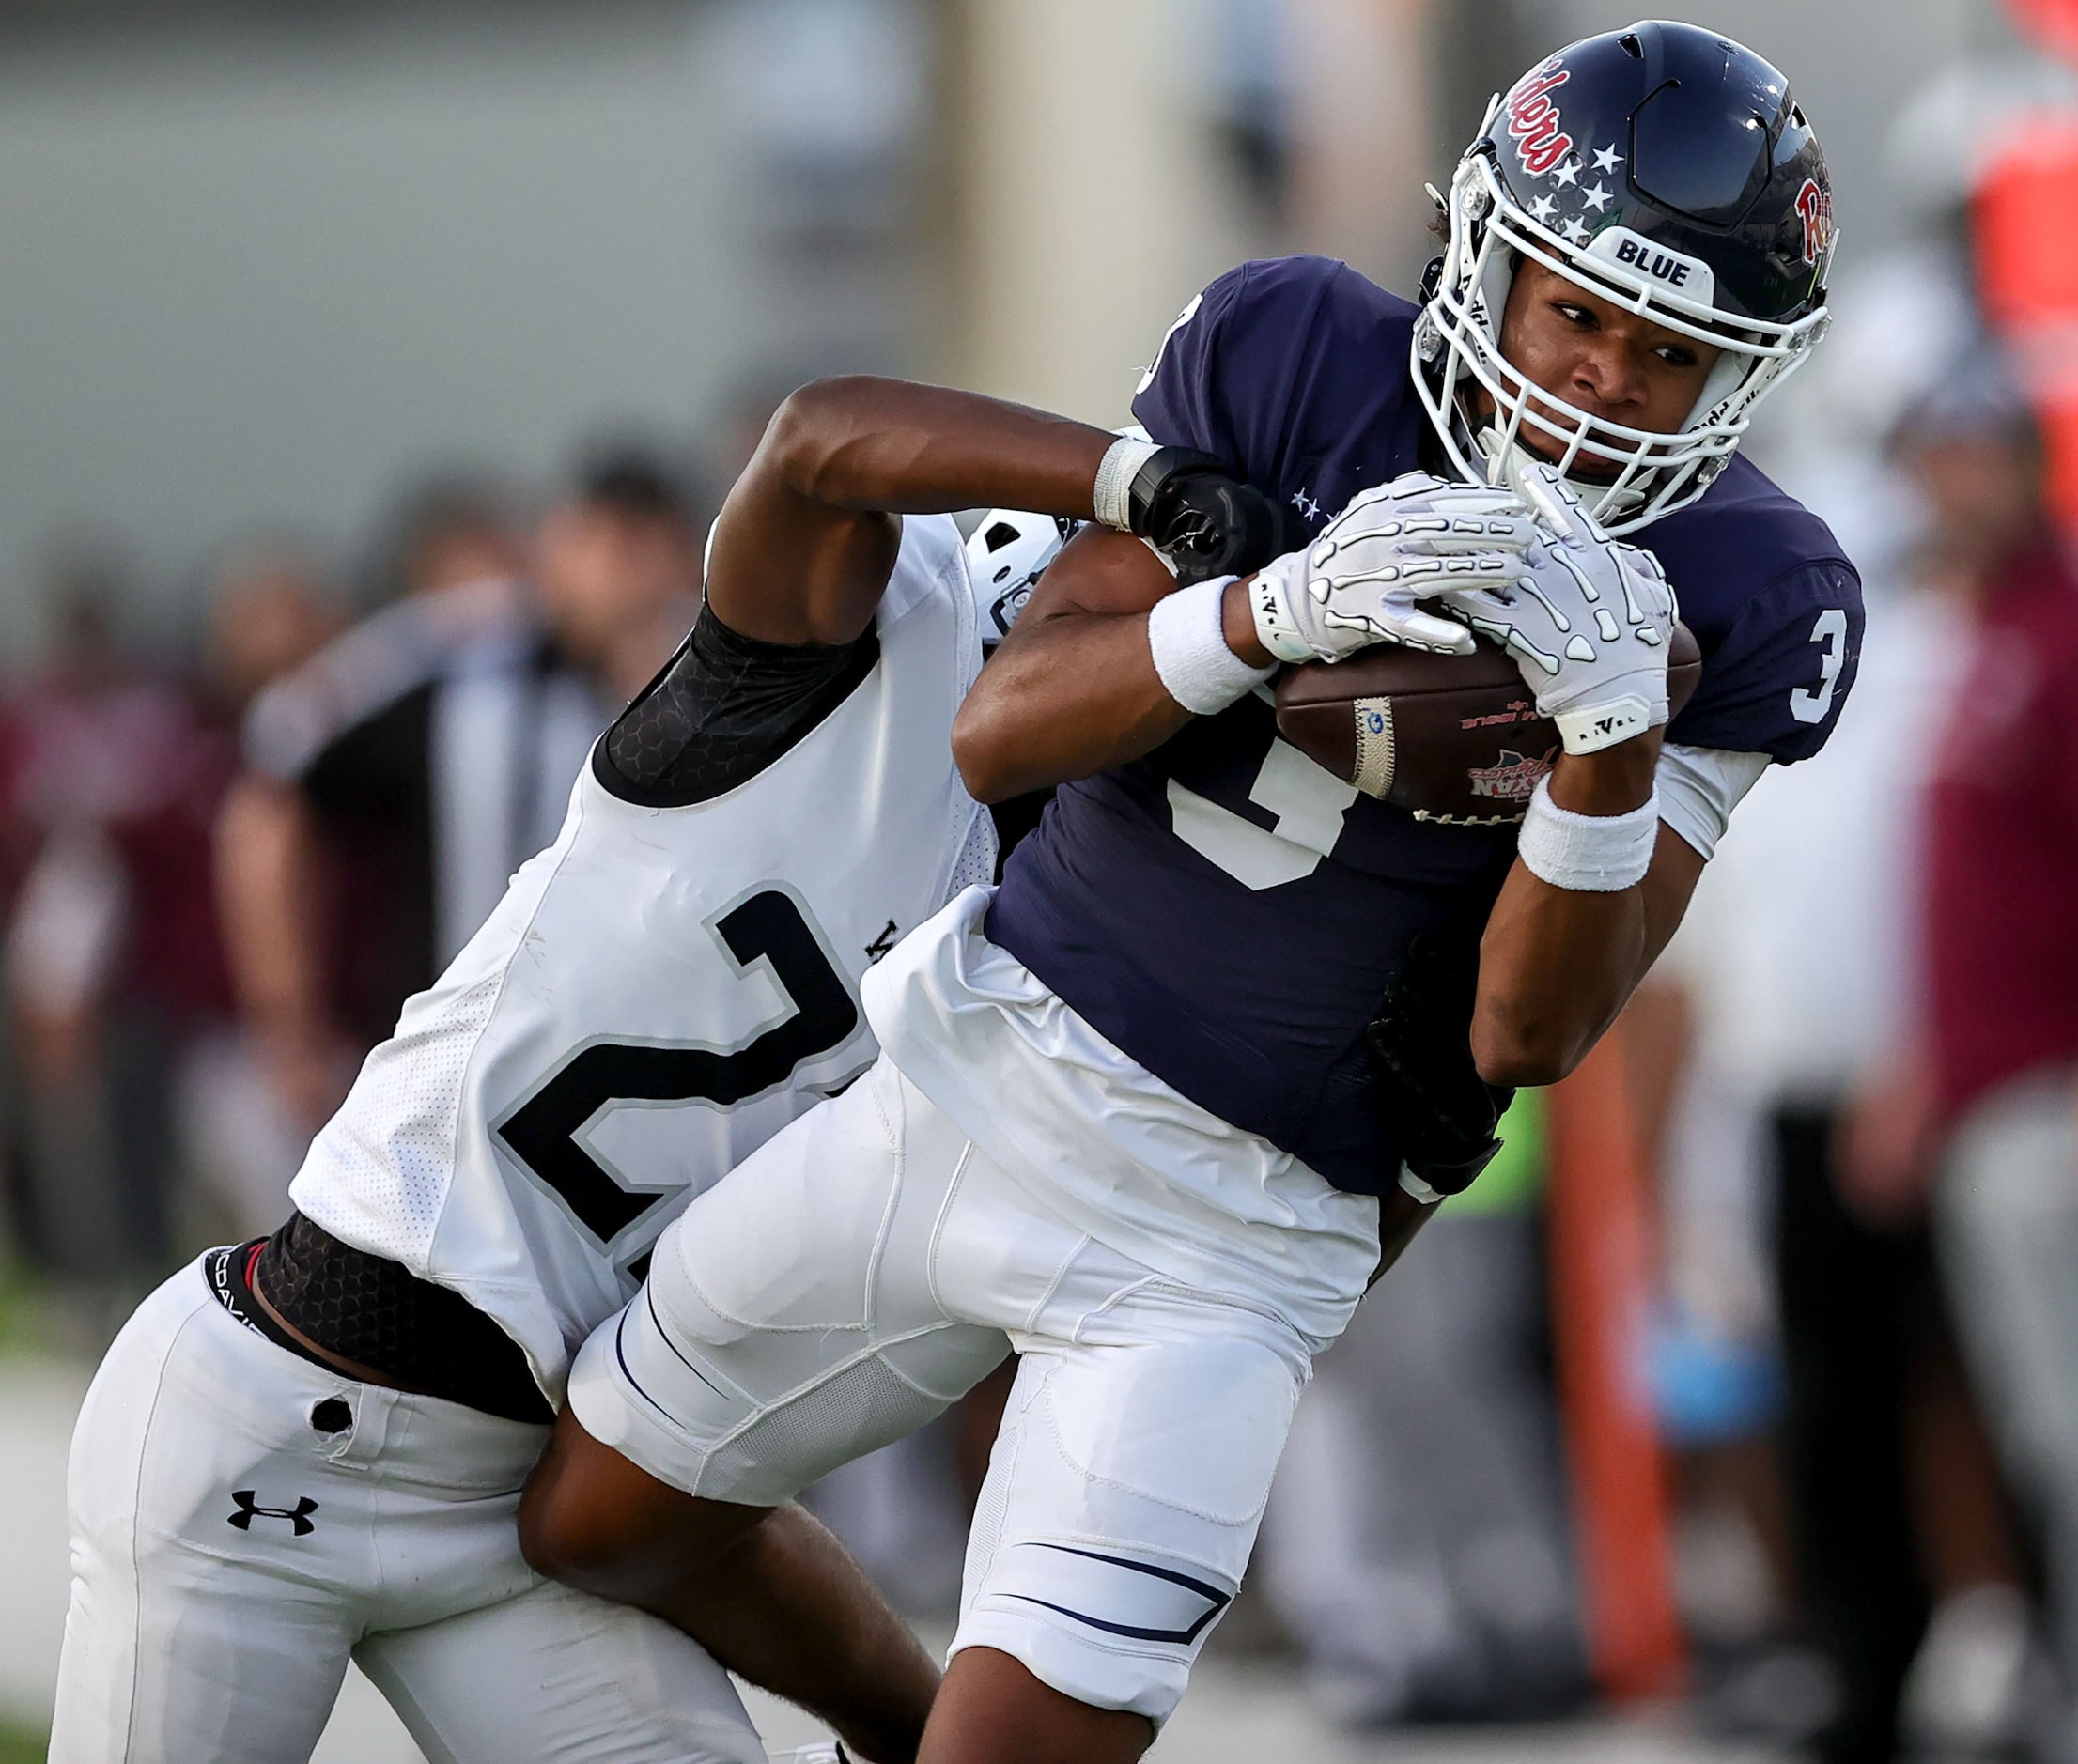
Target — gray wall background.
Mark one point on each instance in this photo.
(255, 270)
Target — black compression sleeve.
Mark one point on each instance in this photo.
(725, 707)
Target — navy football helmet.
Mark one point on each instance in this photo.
(1665, 169)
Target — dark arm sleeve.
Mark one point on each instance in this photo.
(725, 707)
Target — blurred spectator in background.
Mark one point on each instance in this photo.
(1987, 1096)
(396, 779)
(1905, 1566)
(1417, 1544)
(324, 850)
(111, 777)
(1795, 1298)
(270, 609)
(618, 563)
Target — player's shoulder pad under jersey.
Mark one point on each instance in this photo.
(1255, 370)
(1777, 608)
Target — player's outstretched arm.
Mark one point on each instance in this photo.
(808, 537)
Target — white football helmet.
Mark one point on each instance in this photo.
(1005, 557)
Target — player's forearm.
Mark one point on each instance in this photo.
(1557, 964)
(861, 443)
(1075, 695)
(810, 532)
(1074, 689)
(1555, 967)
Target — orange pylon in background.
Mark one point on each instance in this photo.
(2024, 217)
(1600, 1213)
(2054, 21)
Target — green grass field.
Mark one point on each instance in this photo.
(18, 1745)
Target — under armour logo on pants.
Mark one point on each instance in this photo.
(249, 1509)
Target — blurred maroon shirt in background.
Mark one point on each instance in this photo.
(2002, 842)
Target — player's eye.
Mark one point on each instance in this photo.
(1574, 315)
(1676, 355)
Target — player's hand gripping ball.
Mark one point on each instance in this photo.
(1452, 739)
(1588, 622)
(1359, 582)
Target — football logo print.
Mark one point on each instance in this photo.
(1513, 778)
(249, 1509)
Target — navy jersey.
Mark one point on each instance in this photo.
(1229, 913)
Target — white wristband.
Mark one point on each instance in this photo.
(1275, 627)
(1115, 472)
(1416, 1189)
(1595, 853)
(1188, 637)
(1590, 731)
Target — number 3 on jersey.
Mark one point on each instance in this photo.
(1807, 705)
(1307, 801)
(542, 1132)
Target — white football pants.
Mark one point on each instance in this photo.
(866, 1266)
(228, 1556)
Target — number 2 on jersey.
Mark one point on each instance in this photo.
(542, 1131)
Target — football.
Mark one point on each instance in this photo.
(1452, 738)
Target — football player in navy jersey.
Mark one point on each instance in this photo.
(1138, 1112)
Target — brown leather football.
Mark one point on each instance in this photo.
(1453, 738)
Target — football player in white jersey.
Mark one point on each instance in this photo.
(310, 1447)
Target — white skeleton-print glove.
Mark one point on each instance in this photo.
(1588, 622)
(1357, 584)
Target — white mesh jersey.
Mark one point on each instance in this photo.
(658, 993)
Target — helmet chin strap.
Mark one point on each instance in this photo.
(1506, 457)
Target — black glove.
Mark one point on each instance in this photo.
(1205, 521)
(1437, 1107)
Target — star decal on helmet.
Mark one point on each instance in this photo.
(1568, 174)
(1596, 196)
(1606, 159)
(1543, 207)
(1577, 230)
